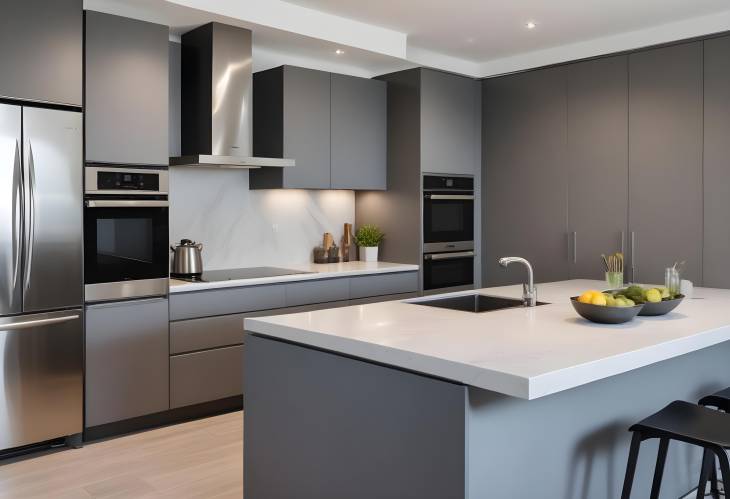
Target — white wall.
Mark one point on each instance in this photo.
(243, 228)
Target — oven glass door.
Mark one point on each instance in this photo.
(446, 270)
(125, 243)
(448, 217)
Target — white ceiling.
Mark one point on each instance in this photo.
(475, 37)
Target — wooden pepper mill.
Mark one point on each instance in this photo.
(347, 242)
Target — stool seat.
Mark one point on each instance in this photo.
(689, 423)
(721, 400)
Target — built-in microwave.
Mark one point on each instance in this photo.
(126, 230)
(448, 231)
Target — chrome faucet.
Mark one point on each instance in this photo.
(529, 291)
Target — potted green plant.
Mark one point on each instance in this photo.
(368, 237)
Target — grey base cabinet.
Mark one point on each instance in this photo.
(41, 50)
(204, 376)
(127, 359)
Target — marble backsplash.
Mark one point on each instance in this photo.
(246, 228)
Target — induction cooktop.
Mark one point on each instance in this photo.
(236, 274)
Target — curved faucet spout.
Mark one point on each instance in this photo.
(529, 291)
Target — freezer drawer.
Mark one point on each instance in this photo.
(41, 377)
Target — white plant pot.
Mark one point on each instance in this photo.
(368, 253)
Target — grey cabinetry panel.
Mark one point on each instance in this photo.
(208, 332)
(358, 135)
(665, 160)
(304, 293)
(383, 284)
(292, 120)
(597, 162)
(204, 376)
(126, 87)
(127, 359)
(41, 50)
(523, 185)
(716, 168)
(226, 301)
(449, 123)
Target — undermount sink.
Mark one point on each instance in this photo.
(474, 303)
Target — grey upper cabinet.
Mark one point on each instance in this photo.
(359, 135)
(41, 45)
(597, 92)
(716, 170)
(292, 120)
(333, 126)
(127, 360)
(450, 123)
(523, 182)
(126, 86)
(665, 160)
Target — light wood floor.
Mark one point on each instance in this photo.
(199, 459)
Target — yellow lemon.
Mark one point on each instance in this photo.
(586, 297)
(599, 299)
(653, 296)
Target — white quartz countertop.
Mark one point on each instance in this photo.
(523, 352)
(316, 271)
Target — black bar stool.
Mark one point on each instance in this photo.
(721, 401)
(683, 422)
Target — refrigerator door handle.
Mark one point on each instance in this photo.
(29, 324)
(17, 213)
(29, 215)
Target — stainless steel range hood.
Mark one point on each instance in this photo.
(217, 109)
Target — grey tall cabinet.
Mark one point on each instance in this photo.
(524, 178)
(665, 161)
(716, 246)
(126, 84)
(41, 46)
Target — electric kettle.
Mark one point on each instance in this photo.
(187, 258)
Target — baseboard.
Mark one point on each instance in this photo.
(165, 418)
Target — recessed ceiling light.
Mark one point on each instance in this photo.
(339, 51)
(531, 25)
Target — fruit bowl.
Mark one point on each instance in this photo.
(605, 315)
(661, 307)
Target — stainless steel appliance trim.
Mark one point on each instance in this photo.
(450, 246)
(125, 303)
(122, 290)
(90, 184)
(126, 203)
(450, 197)
(449, 256)
(9, 324)
(29, 216)
(243, 162)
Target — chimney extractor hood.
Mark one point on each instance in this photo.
(217, 100)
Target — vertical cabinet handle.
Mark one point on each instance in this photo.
(633, 256)
(575, 247)
(623, 243)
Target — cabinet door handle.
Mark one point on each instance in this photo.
(633, 256)
(575, 247)
(623, 244)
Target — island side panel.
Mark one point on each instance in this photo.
(574, 444)
(323, 426)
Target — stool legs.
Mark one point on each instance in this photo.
(661, 458)
(631, 465)
(724, 467)
(714, 490)
(708, 460)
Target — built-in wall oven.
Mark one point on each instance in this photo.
(448, 231)
(125, 233)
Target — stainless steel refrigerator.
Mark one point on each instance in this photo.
(41, 315)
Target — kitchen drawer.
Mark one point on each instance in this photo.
(209, 332)
(383, 284)
(226, 301)
(204, 376)
(307, 292)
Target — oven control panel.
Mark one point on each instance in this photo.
(128, 181)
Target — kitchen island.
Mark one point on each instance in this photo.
(402, 400)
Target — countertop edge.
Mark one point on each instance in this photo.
(388, 268)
